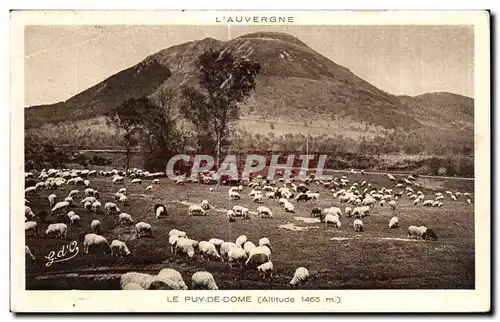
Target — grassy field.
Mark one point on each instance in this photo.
(378, 258)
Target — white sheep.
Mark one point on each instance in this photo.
(141, 279)
(122, 191)
(264, 249)
(155, 181)
(392, 204)
(241, 240)
(266, 269)
(248, 246)
(360, 212)
(348, 212)
(31, 226)
(216, 241)
(195, 210)
(230, 215)
(264, 241)
(332, 220)
(95, 225)
(96, 241)
(394, 222)
(136, 181)
(234, 195)
(178, 233)
(413, 232)
(207, 248)
(88, 191)
(184, 246)
(241, 211)
(174, 276)
(124, 218)
(203, 281)
(257, 199)
(264, 212)
(88, 206)
(110, 207)
(149, 188)
(172, 240)
(205, 205)
(224, 249)
(59, 229)
(143, 229)
(236, 254)
(358, 225)
(61, 205)
(132, 287)
(28, 213)
(86, 183)
(123, 199)
(160, 211)
(119, 248)
(96, 206)
(52, 200)
(428, 203)
(74, 218)
(289, 207)
(300, 276)
(90, 199)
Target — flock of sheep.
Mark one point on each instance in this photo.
(360, 199)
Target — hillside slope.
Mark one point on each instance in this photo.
(297, 86)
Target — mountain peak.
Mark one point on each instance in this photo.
(274, 35)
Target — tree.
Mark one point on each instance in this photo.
(126, 118)
(224, 82)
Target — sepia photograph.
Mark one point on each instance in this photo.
(251, 151)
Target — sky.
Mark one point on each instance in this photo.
(61, 61)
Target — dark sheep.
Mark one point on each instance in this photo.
(63, 218)
(256, 260)
(429, 235)
(316, 212)
(303, 197)
(42, 215)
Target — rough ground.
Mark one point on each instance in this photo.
(377, 258)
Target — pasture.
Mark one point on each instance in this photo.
(377, 258)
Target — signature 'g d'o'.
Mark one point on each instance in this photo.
(66, 252)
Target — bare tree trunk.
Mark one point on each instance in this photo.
(127, 166)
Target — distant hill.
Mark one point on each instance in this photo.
(298, 90)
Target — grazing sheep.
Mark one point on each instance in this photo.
(240, 211)
(96, 206)
(422, 230)
(468, 201)
(136, 181)
(174, 276)
(178, 233)
(394, 222)
(28, 213)
(248, 246)
(160, 211)
(358, 225)
(360, 212)
(429, 234)
(236, 254)
(110, 207)
(264, 212)
(74, 218)
(428, 203)
(143, 229)
(266, 269)
(28, 253)
(234, 195)
(52, 200)
(413, 232)
(348, 212)
(88, 192)
(300, 276)
(119, 248)
(69, 200)
(172, 240)
(264, 241)
(224, 249)
(185, 247)
(316, 212)
(149, 188)
(334, 211)
(59, 229)
(241, 240)
(208, 248)
(62, 205)
(123, 200)
(155, 181)
(125, 219)
(31, 226)
(90, 199)
(257, 199)
(331, 219)
(203, 281)
(289, 207)
(196, 210)
(205, 205)
(141, 279)
(256, 259)
(95, 225)
(392, 204)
